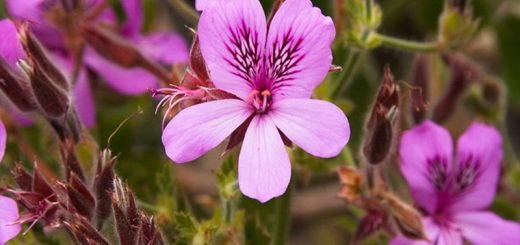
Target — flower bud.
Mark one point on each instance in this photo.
(70, 160)
(407, 219)
(53, 101)
(462, 75)
(22, 177)
(80, 197)
(111, 46)
(120, 51)
(103, 185)
(456, 24)
(126, 214)
(16, 88)
(84, 231)
(40, 59)
(380, 127)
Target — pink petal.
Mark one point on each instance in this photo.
(264, 169)
(426, 152)
(449, 236)
(483, 228)
(10, 47)
(200, 128)
(8, 214)
(33, 10)
(200, 5)
(431, 229)
(299, 48)
(480, 147)
(3, 140)
(134, 17)
(25, 9)
(318, 127)
(232, 37)
(132, 81)
(85, 101)
(167, 48)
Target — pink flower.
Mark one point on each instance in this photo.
(455, 191)
(8, 217)
(273, 71)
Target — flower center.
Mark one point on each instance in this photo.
(260, 100)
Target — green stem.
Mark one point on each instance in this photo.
(346, 75)
(408, 45)
(282, 215)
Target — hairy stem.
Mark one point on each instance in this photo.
(346, 75)
(282, 215)
(408, 45)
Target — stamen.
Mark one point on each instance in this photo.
(174, 96)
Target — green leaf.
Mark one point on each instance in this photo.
(186, 225)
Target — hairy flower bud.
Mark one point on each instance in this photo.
(84, 232)
(70, 160)
(380, 125)
(463, 73)
(16, 88)
(80, 197)
(103, 185)
(40, 59)
(126, 214)
(48, 83)
(120, 51)
(111, 46)
(407, 219)
(22, 177)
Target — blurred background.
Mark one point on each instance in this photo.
(318, 215)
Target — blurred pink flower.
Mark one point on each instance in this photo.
(273, 71)
(8, 217)
(455, 191)
(165, 47)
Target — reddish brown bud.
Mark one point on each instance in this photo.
(16, 88)
(126, 214)
(118, 50)
(82, 228)
(22, 177)
(380, 125)
(463, 73)
(112, 46)
(103, 185)
(407, 219)
(70, 160)
(40, 59)
(41, 186)
(149, 234)
(53, 101)
(80, 197)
